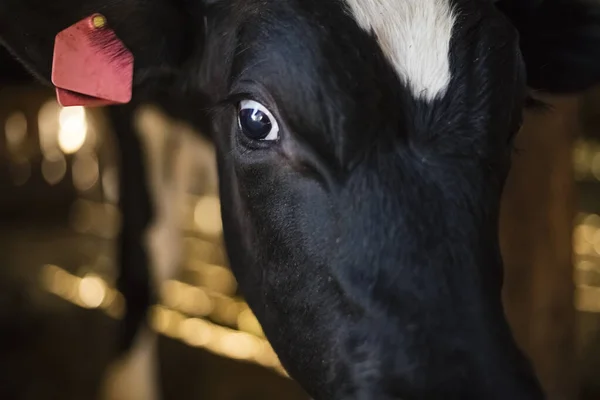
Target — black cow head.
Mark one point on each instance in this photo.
(363, 147)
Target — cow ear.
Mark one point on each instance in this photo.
(560, 42)
(158, 32)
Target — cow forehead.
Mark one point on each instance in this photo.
(415, 37)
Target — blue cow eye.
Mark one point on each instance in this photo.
(256, 122)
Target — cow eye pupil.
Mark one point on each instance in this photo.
(256, 122)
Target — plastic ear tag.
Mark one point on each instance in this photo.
(91, 66)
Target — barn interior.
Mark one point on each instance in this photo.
(59, 220)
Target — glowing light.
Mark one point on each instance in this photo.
(160, 319)
(117, 307)
(226, 310)
(174, 320)
(186, 298)
(73, 129)
(195, 332)
(50, 277)
(247, 322)
(197, 301)
(217, 339)
(172, 293)
(201, 253)
(207, 216)
(587, 266)
(92, 291)
(15, 130)
(54, 170)
(587, 299)
(85, 171)
(238, 345)
(48, 127)
(218, 278)
(267, 357)
(166, 321)
(582, 247)
(583, 238)
(110, 185)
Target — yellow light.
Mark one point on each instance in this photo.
(49, 277)
(172, 293)
(226, 311)
(186, 298)
(117, 307)
(85, 171)
(15, 130)
(239, 345)
(92, 291)
(207, 215)
(73, 129)
(110, 184)
(267, 356)
(582, 247)
(247, 322)
(218, 278)
(587, 266)
(584, 233)
(217, 339)
(48, 127)
(195, 332)
(54, 170)
(587, 299)
(167, 321)
(159, 319)
(196, 301)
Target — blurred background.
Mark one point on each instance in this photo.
(58, 227)
(59, 221)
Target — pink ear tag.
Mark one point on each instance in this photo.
(91, 66)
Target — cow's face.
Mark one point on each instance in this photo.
(363, 146)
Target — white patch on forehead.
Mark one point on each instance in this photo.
(415, 37)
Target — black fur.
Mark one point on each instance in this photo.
(366, 238)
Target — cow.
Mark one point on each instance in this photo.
(362, 148)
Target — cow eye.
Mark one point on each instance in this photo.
(256, 122)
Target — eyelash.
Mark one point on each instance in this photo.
(231, 100)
